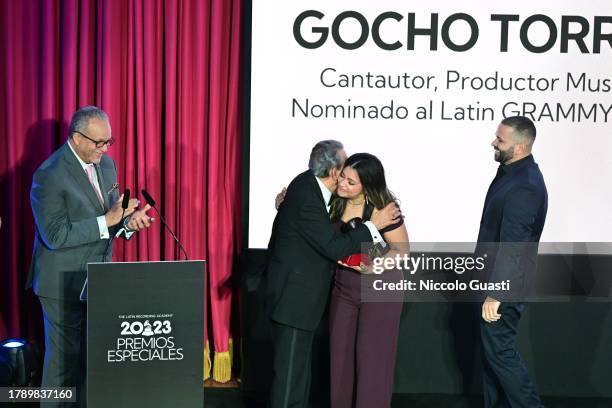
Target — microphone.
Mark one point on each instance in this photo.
(126, 201)
(151, 202)
(148, 198)
(124, 206)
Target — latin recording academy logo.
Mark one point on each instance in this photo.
(145, 338)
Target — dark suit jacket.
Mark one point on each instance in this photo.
(303, 251)
(65, 208)
(511, 225)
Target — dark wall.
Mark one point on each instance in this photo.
(566, 344)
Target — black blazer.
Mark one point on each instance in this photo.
(511, 225)
(303, 251)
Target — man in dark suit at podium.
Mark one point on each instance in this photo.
(512, 222)
(77, 211)
(303, 251)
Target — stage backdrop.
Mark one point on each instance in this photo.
(167, 73)
(423, 85)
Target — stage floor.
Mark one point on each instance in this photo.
(232, 398)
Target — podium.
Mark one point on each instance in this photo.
(145, 334)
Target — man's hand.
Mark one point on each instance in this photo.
(362, 268)
(113, 216)
(280, 197)
(387, 216)
(489, 310)
(140, 220)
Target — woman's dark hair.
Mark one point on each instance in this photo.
(372, 177)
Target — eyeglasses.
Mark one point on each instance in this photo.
(99, 143)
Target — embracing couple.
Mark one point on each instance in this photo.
(313, 229)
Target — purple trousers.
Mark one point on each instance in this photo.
(363, 343)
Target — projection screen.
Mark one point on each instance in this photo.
(423, 86)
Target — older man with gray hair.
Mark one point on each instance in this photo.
(303, 251)
(77, 211)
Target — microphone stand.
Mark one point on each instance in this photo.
(171, 233)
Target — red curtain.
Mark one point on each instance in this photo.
(167, 72)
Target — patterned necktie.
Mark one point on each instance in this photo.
(91, 175)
